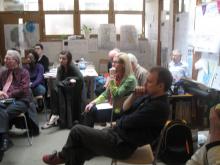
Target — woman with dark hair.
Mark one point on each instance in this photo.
(66, 93)
(36, 72)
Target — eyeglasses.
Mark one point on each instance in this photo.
(116, 62)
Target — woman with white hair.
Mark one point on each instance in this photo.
(122, 83)
(139, 72)
(14, 86)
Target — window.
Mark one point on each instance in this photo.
(66, 17)
(132, 5)
(19, 5)
(94, 4)
(122, 19)
(58, 5)
(128, 14)
(59, 24)
(58, 17)
(93, 21)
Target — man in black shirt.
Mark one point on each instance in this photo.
(145, 113)
(42, 58)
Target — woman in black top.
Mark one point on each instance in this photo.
(66, 93)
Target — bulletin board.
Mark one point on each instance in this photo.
(207, 23)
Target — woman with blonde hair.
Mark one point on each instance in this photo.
(122, 83)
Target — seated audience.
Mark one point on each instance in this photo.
(120, 85)
(36, 72)
(139, 72)
(14, 85)
(42, 58)
(66, 94)
(178, 68)
(100, 87)
(146, 111)
(209, 154)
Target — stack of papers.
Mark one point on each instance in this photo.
(104, 106)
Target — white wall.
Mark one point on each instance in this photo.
(143, 53)
(52, 49)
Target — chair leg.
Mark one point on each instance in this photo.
(44, 106)
(28, 135)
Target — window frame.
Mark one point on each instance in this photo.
(77, 22)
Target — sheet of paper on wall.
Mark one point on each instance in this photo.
(107, 36)
(92, 45)
(31, 35)
(104, 106)
(207, 23)
(128, 37)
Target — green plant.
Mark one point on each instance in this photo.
(86, 29)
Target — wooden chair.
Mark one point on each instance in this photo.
(142, 155)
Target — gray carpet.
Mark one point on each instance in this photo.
(48, 140)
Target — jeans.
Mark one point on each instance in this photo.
(39, 90)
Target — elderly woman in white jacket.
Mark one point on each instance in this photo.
(209, 154)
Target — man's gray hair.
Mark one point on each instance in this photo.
(15, 55)
(133, 59)
(176, 52)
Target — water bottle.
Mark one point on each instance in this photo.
(180, 90)
(82, 64)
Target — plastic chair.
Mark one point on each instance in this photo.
(22, 115)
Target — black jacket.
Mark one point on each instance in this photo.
(142, 123)
(45, 62)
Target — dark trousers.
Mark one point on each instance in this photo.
(84, 143)
(10, 111)
(66, 102)
(54, 101)
(98, 116)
